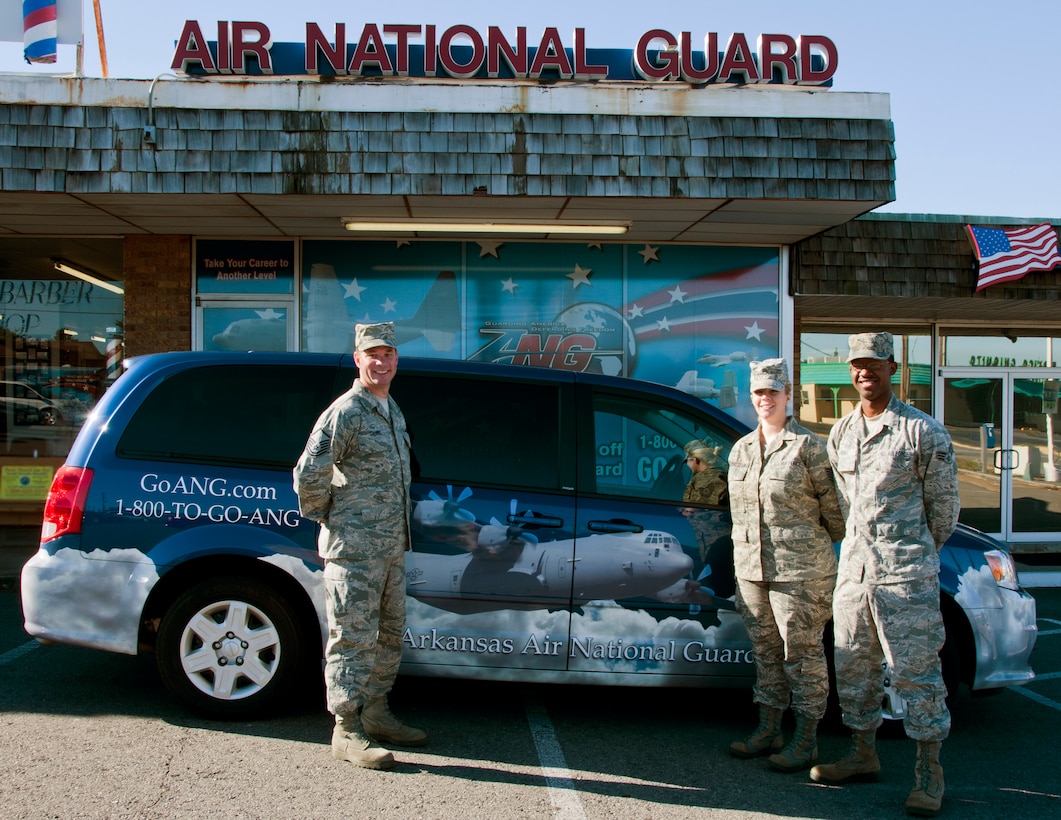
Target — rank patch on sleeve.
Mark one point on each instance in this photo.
(319, 443)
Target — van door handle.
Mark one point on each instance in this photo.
(614, 525)
(537, 519)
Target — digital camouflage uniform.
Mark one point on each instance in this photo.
(708, 487)
(711, 527)
(899, 490)
(353, 477)
(786, 515)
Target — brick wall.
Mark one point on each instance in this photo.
(158, 287)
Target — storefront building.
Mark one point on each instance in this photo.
(665, 227)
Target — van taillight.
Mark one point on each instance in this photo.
(65, 506)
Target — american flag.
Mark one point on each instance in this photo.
(40, 30)
(1005, 255)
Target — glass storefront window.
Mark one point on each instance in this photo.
(1004, 348)
(683, 315)
(62, 344)
(826, 391)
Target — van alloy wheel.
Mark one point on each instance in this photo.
(228, 647)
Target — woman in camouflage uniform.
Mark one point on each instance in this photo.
(786, 516)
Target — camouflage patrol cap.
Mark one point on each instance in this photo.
(870, 346)
(701, 450)
(380, 334)
(770, 374)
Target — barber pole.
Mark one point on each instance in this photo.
(114, 359)
(40, 29)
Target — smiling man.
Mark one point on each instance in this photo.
(898, 485)
(353, 477)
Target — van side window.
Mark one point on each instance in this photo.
(481, 432)
(233, 415)
(639, 447)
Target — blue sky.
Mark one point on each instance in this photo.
(972, 84)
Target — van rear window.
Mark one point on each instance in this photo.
(254, 415)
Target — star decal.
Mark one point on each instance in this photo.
(509, 286)
(389, 305)
(269, 314)
(663, 324)
(755, 331)
(353, 289)
(649, 254)
(677, 295)
(489, 248)
(636, 311)
(580, 276)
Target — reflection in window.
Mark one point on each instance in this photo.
(639, 448)
(62, 345)
(826, 390)
(1005, 348)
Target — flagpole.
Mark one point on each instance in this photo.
(100, 38)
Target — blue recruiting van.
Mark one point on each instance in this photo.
(550, 539)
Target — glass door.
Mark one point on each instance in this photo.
(973, 413)
(1036, 490)
(1004, 425)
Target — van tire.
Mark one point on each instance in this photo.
(228, 648)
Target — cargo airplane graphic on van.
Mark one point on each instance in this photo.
(505, 566)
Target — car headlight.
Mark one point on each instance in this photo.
(1003, 567)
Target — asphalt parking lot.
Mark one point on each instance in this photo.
(90, 734)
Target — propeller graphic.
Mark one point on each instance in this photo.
(451, 506)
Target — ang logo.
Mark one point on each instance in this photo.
(585, 338)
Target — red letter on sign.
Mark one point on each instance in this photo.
(696, 75)
(259, 46)
(784, 59)
(192, 48)
(583, 71)
(335, 57)
(666, 67)
(457, 70)
(498, 47)
(402, 32)
(551, 53)
(738, 60)
(370, 49)
(807, 45)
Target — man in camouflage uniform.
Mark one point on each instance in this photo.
(353, 477)
(786, 515)
(898, 485)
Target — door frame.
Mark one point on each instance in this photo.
(1004, 443)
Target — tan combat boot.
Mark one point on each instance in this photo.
(386, 728)
(350, 742)
(927, 796)
(765, 739)
(801, 751)
(861, 764)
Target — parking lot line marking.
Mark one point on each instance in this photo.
(562, 794)
(17, 652)
(1053, 704)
